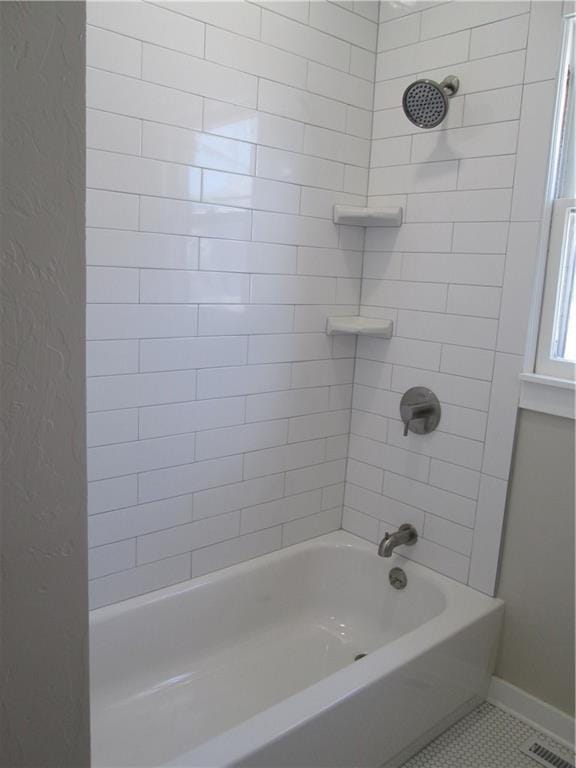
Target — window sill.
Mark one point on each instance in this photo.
(547, 394)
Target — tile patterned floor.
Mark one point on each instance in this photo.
(486, 738)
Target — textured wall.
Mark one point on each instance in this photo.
(537, 568)
(219, 137)
(44, 675)
(456, 278)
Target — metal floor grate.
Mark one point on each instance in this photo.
(543, 755)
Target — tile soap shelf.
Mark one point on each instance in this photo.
(367, 217)
(362, 326)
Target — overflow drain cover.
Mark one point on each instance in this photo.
(397, 578)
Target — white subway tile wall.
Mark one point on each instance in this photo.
(223, 423)
(220, 135)
(456, 278)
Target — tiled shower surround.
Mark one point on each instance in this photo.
(456, 278)
(220, 135)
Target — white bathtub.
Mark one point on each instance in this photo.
(254, 665)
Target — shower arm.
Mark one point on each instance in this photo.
(450, 85)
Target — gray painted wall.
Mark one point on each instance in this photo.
(537, 566)
(44, 671)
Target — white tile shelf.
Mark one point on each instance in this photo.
(363, 326)
(357, 216)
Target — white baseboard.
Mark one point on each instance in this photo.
(533, 711)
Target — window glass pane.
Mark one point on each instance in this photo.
(565, 321)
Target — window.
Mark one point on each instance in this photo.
(556, 353)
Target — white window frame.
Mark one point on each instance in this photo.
(548, 384)
(546, 364)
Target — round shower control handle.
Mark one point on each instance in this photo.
(420, 411)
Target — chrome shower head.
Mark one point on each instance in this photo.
(425, 102)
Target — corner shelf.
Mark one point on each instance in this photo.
(367, 217)
(361, 326)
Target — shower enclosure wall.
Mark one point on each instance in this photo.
(223, 422)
